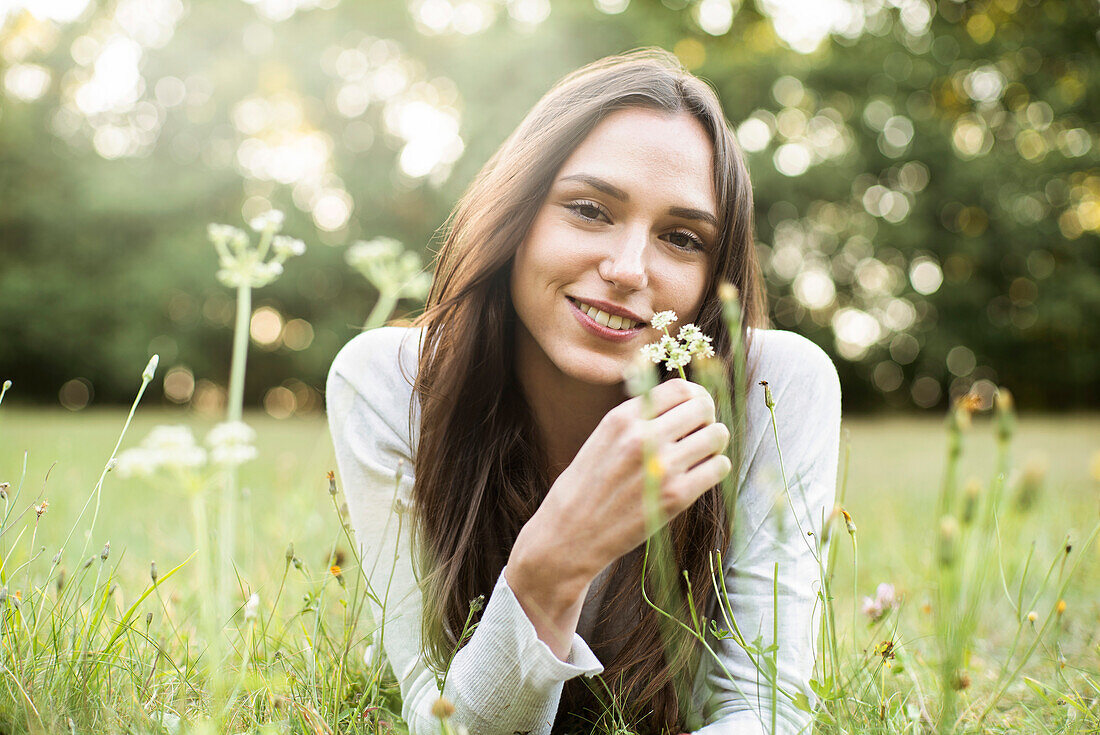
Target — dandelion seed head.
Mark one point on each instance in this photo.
(662, 319)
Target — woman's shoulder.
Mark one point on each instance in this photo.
(379, 359)
(790, 361)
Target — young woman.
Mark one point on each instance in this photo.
(491, 449)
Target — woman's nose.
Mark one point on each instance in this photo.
(625, 266)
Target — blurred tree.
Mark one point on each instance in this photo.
(926, 175)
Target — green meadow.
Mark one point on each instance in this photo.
(891, 472)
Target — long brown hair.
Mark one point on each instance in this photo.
(480, 469)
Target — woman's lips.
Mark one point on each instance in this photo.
(593, 326)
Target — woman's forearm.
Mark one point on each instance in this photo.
(551, 591)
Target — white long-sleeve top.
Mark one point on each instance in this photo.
(505, 680)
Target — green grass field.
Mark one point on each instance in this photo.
(894, 476)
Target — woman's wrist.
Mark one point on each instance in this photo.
(550, 591)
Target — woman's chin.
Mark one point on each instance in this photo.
(597, 370)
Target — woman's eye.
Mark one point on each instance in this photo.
(687, 240)
(585, 210)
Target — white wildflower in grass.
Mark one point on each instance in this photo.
(137, 462)
(223, 235)
(396, 273)
(287, 246)
(175, 447)
(231, 432)
(389, 267)
(252, 607)
(270, 220)
(231, 443)
(246, 266)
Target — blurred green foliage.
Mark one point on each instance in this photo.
(926, 176)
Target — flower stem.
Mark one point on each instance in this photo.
(678, 367)
(240, 353)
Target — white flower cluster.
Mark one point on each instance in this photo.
(272, 220)
(174, 448)
(231, 443)
(677, 352)
(662, 319)
(390, 268)
(244, 265)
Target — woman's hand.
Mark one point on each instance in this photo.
(595, 511)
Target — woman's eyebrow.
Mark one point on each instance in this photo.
(611, 190)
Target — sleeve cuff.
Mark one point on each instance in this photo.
(536, 659)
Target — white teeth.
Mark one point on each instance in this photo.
(607, 320)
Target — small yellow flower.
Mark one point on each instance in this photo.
(727, 291)
(1032, 617)
(653, 467)
(1060, 608)
(848, 522)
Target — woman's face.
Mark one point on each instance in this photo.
(628, 227)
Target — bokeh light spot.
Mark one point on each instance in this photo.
(76, 394)
(179, 384)
(266, 326)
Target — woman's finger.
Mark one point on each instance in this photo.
(696, 447)
(682, 419)
(664, 397)
(706, 475)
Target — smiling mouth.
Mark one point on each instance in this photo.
(611, 321)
